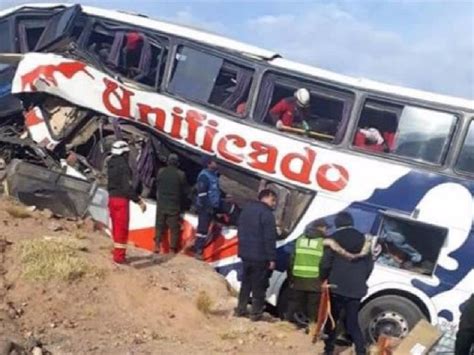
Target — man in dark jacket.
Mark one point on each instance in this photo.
(349, 278)
(257, 249)
(121, 192)
(465, 335)
(303, 272)
(171, 190)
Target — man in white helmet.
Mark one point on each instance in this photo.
(291, 110)
(121, 192)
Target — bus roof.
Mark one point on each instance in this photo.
(272, 57)
(367, 84)
(162, 26)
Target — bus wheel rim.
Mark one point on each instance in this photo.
(388, 323)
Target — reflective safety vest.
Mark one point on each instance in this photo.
(308, 254)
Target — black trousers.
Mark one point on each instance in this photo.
(205, 218)
(171, 221)
(306, 302)
(255, 275)
(465, 334)
(351, 307)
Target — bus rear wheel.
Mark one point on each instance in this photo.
(389, 315)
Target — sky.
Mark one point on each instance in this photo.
(423, 44)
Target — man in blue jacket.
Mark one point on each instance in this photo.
(208, 201)
(257, 248)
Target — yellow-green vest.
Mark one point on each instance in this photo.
(308, 254)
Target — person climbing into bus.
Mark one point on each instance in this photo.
(303, 274)
(349, 278)
(290, 111)
(171, 190)
(208, 200)
(121, 191)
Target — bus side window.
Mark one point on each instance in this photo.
(133, 54)
(465, 161)
(324, 118)
(29, 32)
(406, 131)
(409, 244)
(210, 79)
(377, 127)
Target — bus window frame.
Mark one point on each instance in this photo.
(10, 21)
(162, 39)
(215, 52)
(396, 158)
(406, 218)
(462, 141)
(323, 89)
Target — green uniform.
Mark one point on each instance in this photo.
(171, 190)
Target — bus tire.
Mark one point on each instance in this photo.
(391, 315)
(282, 304)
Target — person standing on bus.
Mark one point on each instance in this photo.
(208, 201)
(257, 248)
(465, 334)
(303, 272)
(171, 190)
(121, 191)
(349, 278)
(291, 110)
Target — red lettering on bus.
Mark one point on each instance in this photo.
(177, 120)
(121, 107)
(332, 183)
(301, 174)
(194, 120)
(237, 141)
(146, 111)
(266, 151)
(209, 134)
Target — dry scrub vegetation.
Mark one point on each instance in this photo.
(53, 258)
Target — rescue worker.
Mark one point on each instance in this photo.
(465, 334)
(349, 278)
(171, 190)
(303, 272)
(131, 55)
(257, 248)
(292, 110)
(208, 201)
(121, 192)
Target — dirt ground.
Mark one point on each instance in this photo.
(177, 306)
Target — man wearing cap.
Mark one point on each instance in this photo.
(171, 190)
(121, 192)
(292, 110)
(208, 201)
(303, 272)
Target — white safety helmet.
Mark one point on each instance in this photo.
(302, 97)
(120, 147)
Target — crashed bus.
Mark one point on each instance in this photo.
(77, 88)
